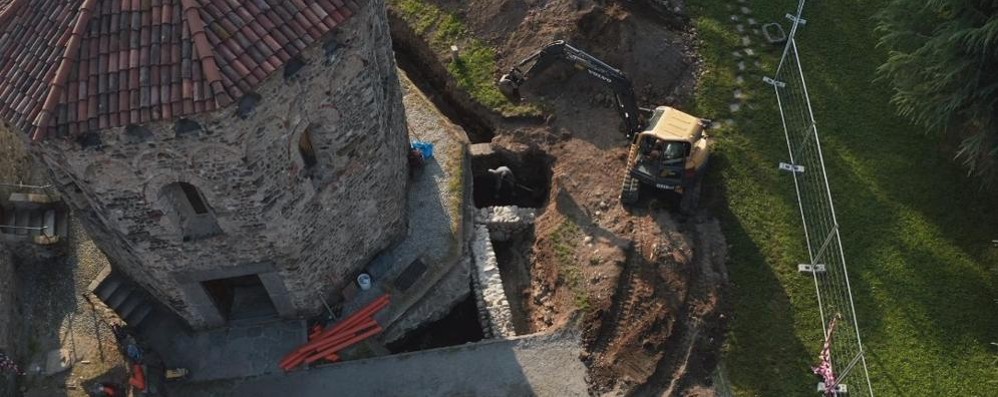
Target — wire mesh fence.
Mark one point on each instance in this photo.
(827, 264)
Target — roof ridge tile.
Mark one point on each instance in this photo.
(69, 56)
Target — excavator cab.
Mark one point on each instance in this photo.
(670, 154)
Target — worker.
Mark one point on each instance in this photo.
(502, 173)
(656, 151)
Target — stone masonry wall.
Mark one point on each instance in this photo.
(311, 227)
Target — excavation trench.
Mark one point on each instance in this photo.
(419, 62)
(513, 256)
(457, 327)
(527, 187)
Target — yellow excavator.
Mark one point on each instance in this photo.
(669, 149)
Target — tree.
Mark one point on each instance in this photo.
(943, 64)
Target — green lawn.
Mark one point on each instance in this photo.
(916, 231)
(473, 69)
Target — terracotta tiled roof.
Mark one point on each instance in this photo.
(73, 66)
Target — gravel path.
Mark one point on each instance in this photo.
(435, 205)
(538, 365)
(55, 315)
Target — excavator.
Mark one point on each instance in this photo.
(669, 149)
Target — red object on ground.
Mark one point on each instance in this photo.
(342, 334)
(315, 331)
(324, 344)
(138, 379)
(342, 345)
(369, 310)
(380, 303)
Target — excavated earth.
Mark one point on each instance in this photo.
(645, 285)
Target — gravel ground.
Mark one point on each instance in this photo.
(57, 316)
(537, 365)
(52, 313)
(435, 205)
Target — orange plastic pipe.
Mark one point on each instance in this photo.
(350, 322)
(376, 305)
(340, 346)
(295, 358)
(345, 334)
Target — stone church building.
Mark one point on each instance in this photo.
(215, 147)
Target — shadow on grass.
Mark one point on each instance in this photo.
(762, 333)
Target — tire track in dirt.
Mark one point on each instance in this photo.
(621, 306)
(691, 354)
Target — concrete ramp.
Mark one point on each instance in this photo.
(533, 365)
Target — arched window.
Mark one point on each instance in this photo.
(189, 210)
(306, 150)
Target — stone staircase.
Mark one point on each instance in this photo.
(34, 217)
(129, 302)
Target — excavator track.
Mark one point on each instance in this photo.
(630, 186)
(691, 198)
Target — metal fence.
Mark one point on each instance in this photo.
(827, 264)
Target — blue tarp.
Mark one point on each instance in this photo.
(425, 148)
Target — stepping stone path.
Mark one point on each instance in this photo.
(746, 27)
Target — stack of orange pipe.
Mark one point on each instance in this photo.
(325, 344)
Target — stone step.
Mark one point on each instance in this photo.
(137, 317)
(49, 223)
(9, 219)
(129, 306)
(62, 224)
(20, 199)
(36, 219)
(118, 297)
(104, 284)
(21, 218)
(129, 302)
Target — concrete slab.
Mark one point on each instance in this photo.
(249, 349)
(535, 365)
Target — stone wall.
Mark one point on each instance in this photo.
(305, 229)
(494, 313)
(506, 221)
(8, 307)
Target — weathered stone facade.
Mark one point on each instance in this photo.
(231, 193)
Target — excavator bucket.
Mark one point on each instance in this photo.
(509, 88)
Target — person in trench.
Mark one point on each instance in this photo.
(503, 176)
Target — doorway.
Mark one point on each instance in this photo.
(240, 298)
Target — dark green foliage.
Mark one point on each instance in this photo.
(943, 64)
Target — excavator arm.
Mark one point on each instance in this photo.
(627, 107)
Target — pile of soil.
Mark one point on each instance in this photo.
(645, 287)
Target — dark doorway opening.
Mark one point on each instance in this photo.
(457, 327)
(240, 298)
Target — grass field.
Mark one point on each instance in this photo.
(916, 231)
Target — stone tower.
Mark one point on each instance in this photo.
(214, 147)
